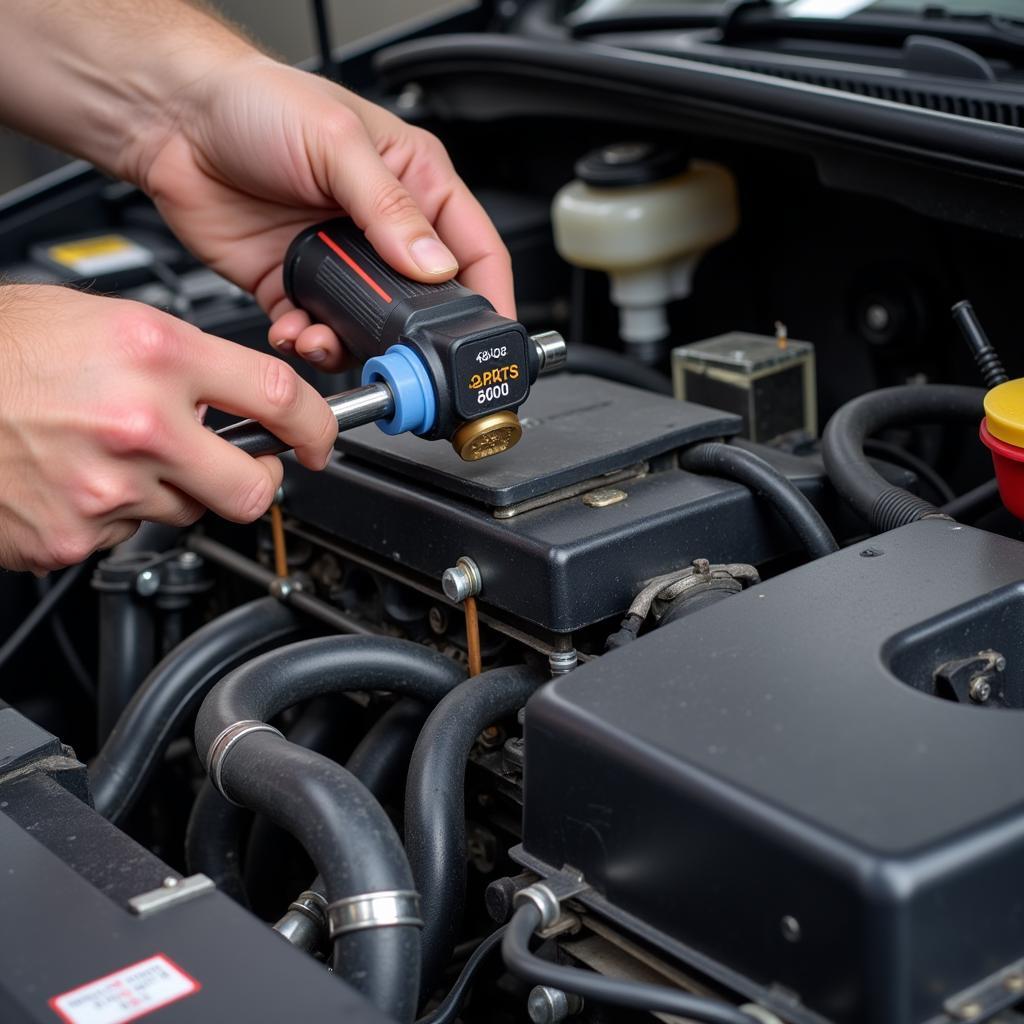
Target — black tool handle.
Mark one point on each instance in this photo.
(334, 274)
(253, 438)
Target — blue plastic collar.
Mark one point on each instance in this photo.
(403, 371)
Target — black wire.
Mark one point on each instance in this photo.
(974, 503)
(448, 1009)
(40, 611)
(323, 39)
(908, 460)
(67, 648)
(515, 948)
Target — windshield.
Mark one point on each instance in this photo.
(825, 8)
(843, 8)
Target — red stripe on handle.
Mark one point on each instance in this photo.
(337, 250)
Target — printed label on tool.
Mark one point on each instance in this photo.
(490, 374)
(127, 994)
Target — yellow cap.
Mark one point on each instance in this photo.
(1004, 412)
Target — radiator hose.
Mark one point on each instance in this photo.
(881, 504)
(174, 689)
(435, 812)
(373, 908)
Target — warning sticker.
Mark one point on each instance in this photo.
(101, 254)
(127, 994)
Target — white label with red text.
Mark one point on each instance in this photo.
(125, 995)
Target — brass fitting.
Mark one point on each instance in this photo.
(489, 435)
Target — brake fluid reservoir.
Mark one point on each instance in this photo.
(644, 215)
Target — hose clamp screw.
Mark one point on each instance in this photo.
(147, 583)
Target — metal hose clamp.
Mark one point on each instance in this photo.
(225, 740)
(543, 897)
(374, 910)
(313, 904)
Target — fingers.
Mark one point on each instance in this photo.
(224, 479)
(360, 182)
(237, 380)
(167, 504)
(316, 343)
(486, 266)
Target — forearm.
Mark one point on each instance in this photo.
(106, 79)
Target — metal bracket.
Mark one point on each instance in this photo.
(547, 896)
(172, 892)
(998, 991)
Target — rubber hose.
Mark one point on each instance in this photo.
(975, 503)
(435, 812)
(353, 845)
(173, 690)
(882, 505)
(601, 362)
(733, 463)
(381, 760)
(213, 841)
(127, 654)
(267, 685)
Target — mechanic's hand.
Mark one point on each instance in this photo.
(100, 424)
(259, 151)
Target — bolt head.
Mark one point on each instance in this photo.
(980, 689)
(790, 927)
(437, 619)
(147, 582)
(547, 1005)
(170, 882)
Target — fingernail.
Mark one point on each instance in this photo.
(327, 461)
(432, 256)
(283, 345)
(316, 355)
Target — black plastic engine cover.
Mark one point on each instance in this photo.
(559, 563)
(761, 761)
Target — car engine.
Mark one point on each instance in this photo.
(697, 703)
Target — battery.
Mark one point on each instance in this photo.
(768, 381)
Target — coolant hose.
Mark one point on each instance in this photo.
(355, 848)
(714, 458)
(172, 692)
(341, 826)
(881, 504)
(435, 812)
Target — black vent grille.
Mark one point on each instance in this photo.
(1011, 114)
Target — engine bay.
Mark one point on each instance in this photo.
(699, 702)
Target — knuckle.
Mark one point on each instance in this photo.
(279, 384)
(137, 428)
(149, 338)
(69, 546)
(186, 514)
(253, 499)
(391, 201)
(341, 123)
(95, 496)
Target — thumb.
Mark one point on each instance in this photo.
(381, 205)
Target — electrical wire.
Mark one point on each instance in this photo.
(46, 605)
(323, 38)
(599, 988)
(908, 460)
(79, 672)
(448, 1009)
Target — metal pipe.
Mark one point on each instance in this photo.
(351, 409)
(284, 590)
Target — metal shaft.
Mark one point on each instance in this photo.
(351, 409)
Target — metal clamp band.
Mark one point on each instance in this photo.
(374, 910)
(313, 904)
(225, 740)
(544, 899)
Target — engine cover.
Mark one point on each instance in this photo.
(766, 785)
